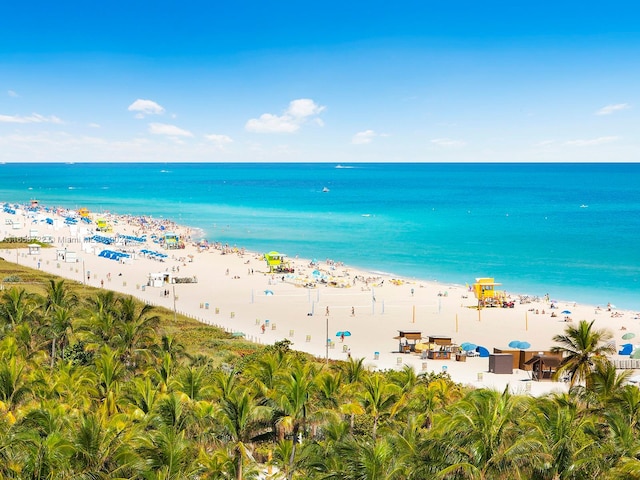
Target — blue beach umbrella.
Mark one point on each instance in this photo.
(523, 345)
(566, 312)
(514, 343)
(468, 347)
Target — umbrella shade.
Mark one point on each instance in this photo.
(237, 334)
(482, 351)
(420, 347)
(514, 343)
(346, 333)
(268, 292)
(468, 347)
(523, 345)
(625, 349)
(628, 336)
(636, 353)
(566, 312)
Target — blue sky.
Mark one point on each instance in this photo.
(341, 82)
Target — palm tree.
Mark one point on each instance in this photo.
(240, 414)
(379, 397)
(103, 447)
(582, 347)
(561, 428)
(17, 307)
(480, 438)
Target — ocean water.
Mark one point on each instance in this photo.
(570, 230)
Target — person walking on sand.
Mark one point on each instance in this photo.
(353, 311)
(326, 312)
(263, 328)
(342, 336)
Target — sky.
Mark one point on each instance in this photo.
(339, 82)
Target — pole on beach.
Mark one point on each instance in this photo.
(526, 321)
(326, 341)
(456, 323)
(83, 275)
(175, 313)
(413, 320)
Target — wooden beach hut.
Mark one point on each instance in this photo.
(407, 340)
(543, 367)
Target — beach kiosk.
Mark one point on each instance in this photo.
(407, 340)
(159, 279)
(485, 292)
(34, 249)
(441, 347)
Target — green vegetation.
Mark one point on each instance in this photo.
(95, 385)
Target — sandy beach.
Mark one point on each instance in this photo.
(233, 289)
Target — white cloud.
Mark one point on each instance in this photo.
(299, 112)
(361, 138)
(591, 142)
(94, 125)
(169, 130)
(303, 108)
(448, 142)
(609, 109)
(33, 118)
(12, 93)
(145, 107)
(219, 140)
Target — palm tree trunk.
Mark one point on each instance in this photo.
(239, 465)
(53, 352)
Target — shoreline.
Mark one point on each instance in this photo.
(235, 292)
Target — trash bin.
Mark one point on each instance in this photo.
(376, 355)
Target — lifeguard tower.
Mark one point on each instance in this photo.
(485, 291)
(275, 261)
(171, 241)
(102, 225)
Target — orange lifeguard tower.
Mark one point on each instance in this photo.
(486, 293)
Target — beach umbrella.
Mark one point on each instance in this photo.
(523, 345)
(636, 353)
(268, 292)
(419, 347)
(566, 312)
(468, 347)
(347, 333)
(339, 334)
(514, 343)
(237, 334)
(628, 336)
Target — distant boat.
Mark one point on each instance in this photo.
(325, 189)
(584, 206)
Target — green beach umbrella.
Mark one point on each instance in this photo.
(636, 353)
(628, 336)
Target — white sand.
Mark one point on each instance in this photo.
(237, 301)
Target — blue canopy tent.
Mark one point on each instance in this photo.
(626, 349)
(482, 352)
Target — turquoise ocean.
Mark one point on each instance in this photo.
(570, 230)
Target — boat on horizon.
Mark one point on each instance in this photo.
(325, 189)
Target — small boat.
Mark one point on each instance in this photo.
(325, 189)
(584, 206)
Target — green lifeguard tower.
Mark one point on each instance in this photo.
(274, 260)
(171, 241)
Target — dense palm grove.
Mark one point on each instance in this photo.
(89, 389)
